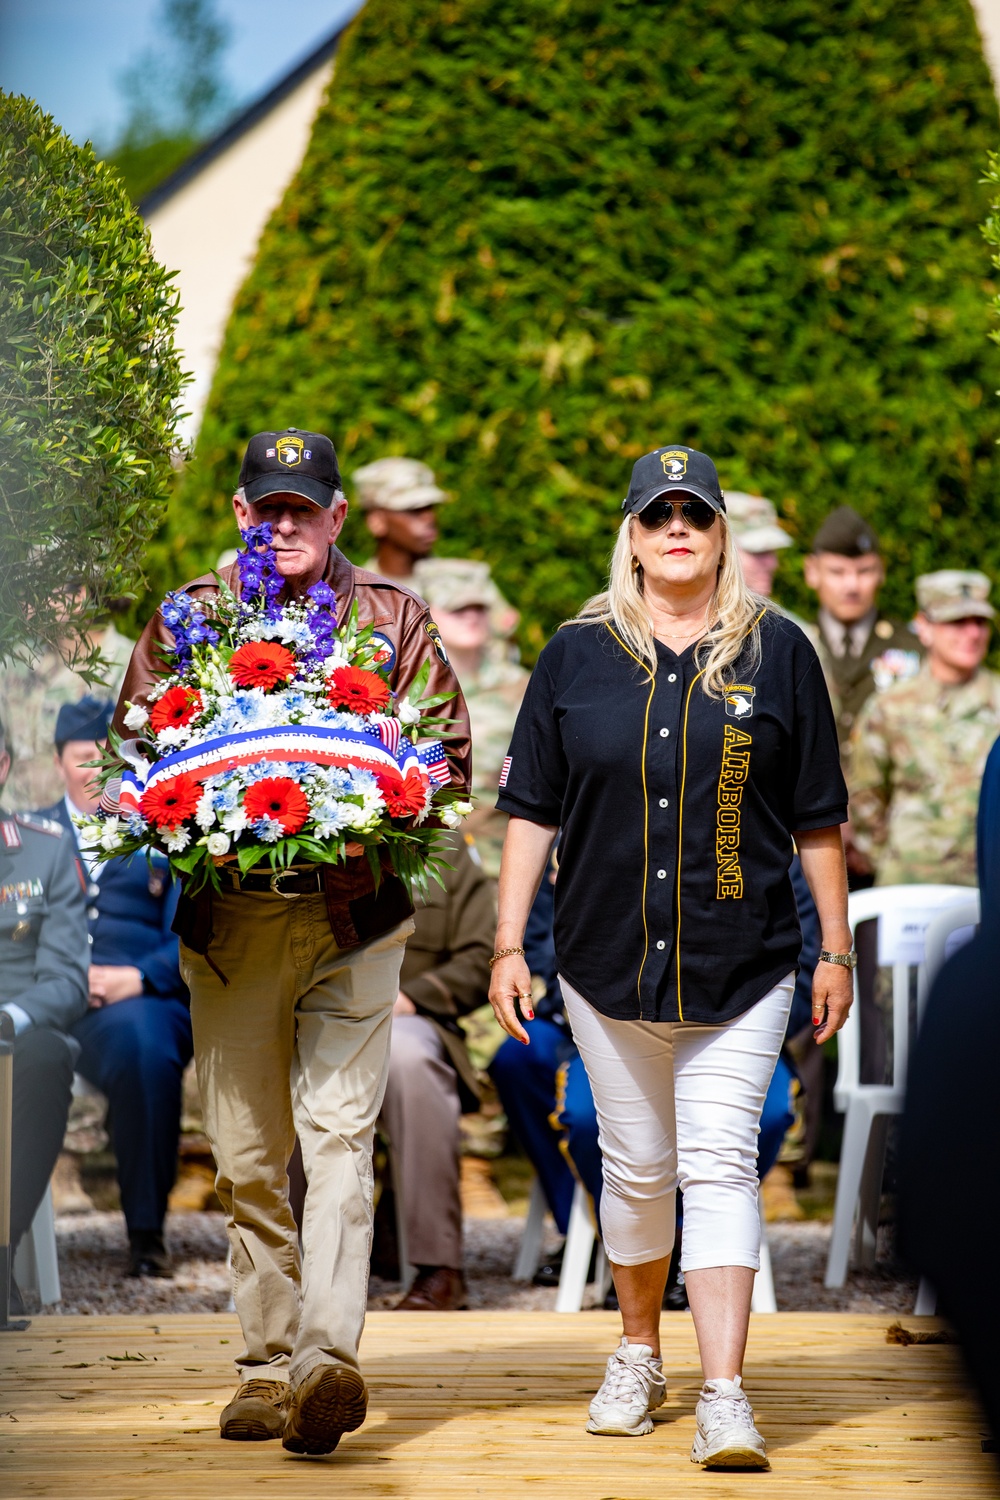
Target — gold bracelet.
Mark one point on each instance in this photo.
(506, 953)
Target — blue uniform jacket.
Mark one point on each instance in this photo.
(129, 912)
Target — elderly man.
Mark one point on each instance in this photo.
(136, 1035)
(291, 1005)
(919, 748)
(43, 963)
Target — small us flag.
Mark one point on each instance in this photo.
(505, 772)
(389, 731)
(436, 765)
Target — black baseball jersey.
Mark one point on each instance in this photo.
(673, 900)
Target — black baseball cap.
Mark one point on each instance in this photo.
(846, 533)
(290, 462)
(669, 469)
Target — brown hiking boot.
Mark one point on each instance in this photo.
(330, 1401)
(256, 1412)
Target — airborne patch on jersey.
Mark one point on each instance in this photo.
(385, 651)
(739, 701)
(435, 636)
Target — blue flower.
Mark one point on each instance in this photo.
(268, 830)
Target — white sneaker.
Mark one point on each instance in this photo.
(633, 1387)
(727, 1437)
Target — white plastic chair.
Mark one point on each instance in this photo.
(580, 1237)
(869, 1106)
(36, 1265)
(530, 1248)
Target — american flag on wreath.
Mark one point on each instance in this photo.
(432, 757)
(505, 770)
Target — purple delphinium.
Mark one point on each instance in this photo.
(322, 622)
(188, 625)
(258, 572)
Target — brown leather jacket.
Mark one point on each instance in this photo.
(356, 910)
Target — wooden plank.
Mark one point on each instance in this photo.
(470, 1404)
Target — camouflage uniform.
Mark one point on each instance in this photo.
(918, 753)
(30, 700)
(407, 484)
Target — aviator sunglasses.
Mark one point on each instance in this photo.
(658, 513)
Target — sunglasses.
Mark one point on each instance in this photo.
(659, 513)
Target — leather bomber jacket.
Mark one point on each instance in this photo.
(357, 912)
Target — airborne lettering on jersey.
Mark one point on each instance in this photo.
(732, 779)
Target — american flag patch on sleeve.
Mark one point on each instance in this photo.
(505, 771)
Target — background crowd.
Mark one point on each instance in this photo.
(90, 965)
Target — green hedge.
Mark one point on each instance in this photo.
(89, 386)
(529, 243)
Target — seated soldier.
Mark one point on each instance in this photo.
(43, 961)
(445, 975)
(136, 1034)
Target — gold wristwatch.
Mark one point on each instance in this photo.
(846, 960)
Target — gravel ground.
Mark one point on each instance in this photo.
(92, 1256)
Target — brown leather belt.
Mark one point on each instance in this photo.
(297, 880)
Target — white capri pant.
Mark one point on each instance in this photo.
(678, 1105)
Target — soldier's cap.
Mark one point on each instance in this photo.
(397, 484)
(87, 719)
(291, 462)
(846, 533)
(954, 594)
(753, 522)
(672, 470)
(455, 582)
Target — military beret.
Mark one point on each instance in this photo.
(87, 720)
(753, 521)
(454, 582)
(846, 533)
(954, 594)
(397, 484)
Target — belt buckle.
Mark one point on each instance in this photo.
(276, 888)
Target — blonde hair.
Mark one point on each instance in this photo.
(737, 608)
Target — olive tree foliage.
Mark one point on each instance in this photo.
(89, 387)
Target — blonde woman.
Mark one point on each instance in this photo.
(680, 735)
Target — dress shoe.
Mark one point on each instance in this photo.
(435, 1289)
(330, 1401)
(550, 1270)
(148, 1255)
(256, 1412)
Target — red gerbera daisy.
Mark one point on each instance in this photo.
(404, 796)
(277, 797)
(169, 803)
(262, 664)
(178, 706)
(357, 690)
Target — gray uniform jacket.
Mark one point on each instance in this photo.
(44, 953)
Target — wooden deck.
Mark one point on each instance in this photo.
(491, 1404)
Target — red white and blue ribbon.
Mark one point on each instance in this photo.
(313, 743)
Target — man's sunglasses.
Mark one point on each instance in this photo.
(658, 513)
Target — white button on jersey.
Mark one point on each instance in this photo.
(664, 802)
(672, 677)
(661, 874)
(661, 944)
(664, 734)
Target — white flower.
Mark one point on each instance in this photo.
(111, 838)
(338, 655)
(407, 713)
(89, 834)
(218, 843)
(177, 839)
(234, 821)
(136, 716)
(450, 818)
(176, 735)
(462, 808)
(205, 815)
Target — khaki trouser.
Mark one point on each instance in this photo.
(421, 1112)
(297, 1042)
